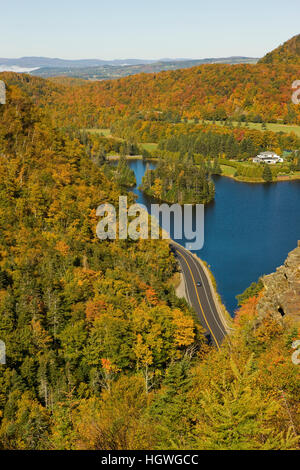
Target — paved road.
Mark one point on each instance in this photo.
(200, 297)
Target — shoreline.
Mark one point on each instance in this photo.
(128, 157)
(131, 157)
(279, 179)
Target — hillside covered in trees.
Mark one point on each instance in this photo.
(287, 53)
(258, 93)
(71, 316)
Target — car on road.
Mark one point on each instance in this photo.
(199, 284)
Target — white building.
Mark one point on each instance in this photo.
(268, 157)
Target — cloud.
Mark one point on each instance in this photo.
(15, 68)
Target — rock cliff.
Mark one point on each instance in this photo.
(281, 295)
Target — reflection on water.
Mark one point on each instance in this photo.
(249, 230)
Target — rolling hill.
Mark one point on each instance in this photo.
(97, 69)
(254, 92)
(112, 71)
(288, 53)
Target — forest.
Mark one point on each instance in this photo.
(71, 316)
(100, 352)
(179, 182)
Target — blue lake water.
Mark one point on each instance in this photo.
(249, 230)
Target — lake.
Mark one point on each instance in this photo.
(249, 230)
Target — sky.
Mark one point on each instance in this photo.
(148, 29)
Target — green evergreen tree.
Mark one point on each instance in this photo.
(238, 416)
(267, 174)
(216, 169)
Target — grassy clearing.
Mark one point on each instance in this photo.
(148, 146)
(286, 128)
(230, 171)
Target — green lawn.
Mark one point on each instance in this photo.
(228, 170)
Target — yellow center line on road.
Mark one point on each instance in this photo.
(190, 256)
(199, 299)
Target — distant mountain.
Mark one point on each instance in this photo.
(288, 53)
(37, 62)
(45, 62)
(98, 69)
(108, 71)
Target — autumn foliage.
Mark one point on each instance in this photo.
(101, 354)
